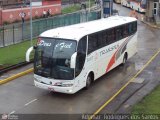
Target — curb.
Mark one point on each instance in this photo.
(154, 26)
(138, 96)
(123, 87)
(152, 83)
(16, 76)
(14, 67)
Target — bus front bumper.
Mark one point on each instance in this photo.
(68, 90)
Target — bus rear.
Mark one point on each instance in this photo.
(139, 5)
(125, 3)
(117, 1)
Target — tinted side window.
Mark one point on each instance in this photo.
(130, 28)
(111, 36)
(135, 26)
(125, 30)
(92, 43)
(82, 45)
(101, 39)
(119, 32)
(81, 55)
(106, 37)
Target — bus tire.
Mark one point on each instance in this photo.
(124, 58)
(88, 82)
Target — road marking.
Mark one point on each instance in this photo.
(4, 76)
(123, 87)
(138, 80)
(16, 76)
(30, 102)
(12, 112)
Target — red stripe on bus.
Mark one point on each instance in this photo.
(113, 58)
(111, 62)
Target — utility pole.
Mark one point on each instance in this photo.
(110, 2)
(89, 5)
(0, 16)
(102, 9)
(31, 21)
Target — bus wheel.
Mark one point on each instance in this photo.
(88, 81)
(124, 58)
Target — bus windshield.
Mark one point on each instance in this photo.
(52, 58)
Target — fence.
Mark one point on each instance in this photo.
(16, 33)
(64, 2)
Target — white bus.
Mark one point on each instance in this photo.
(138, 5)
(125, 3)
(70, 58)
(117, 1)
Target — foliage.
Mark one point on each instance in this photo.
(14, 54)
(71, 9)
(150, 104)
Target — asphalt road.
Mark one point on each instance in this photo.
(22, 97)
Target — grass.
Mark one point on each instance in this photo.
(14, 54)
(76, 7)
(150, 104)
(70, 9)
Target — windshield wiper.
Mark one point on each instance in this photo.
(60, 51)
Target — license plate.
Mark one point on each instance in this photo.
(51, 89)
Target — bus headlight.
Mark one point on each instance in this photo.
(67, 85)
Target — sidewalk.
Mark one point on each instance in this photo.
(15, 71)
(141, 86)
(150, 78)
(150, 24)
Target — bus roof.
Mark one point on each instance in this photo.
(77, 31)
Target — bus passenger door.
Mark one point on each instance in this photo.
(92, 57)
(80, 69)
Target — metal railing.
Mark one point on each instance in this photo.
(19, 32)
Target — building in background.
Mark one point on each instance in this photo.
(9, 4)
(153, 11)
(10, 9)
(107, 8)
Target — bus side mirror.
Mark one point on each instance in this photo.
(28, 54)
(73, 60)
(34, 47)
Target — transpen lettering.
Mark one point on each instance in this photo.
(109, 49)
